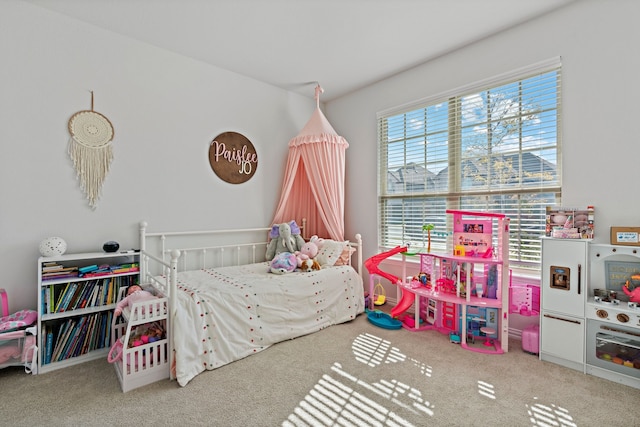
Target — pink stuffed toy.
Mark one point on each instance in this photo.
(134, 294)
(307, 252)
(634, 295)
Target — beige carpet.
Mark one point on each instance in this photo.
(351, 374)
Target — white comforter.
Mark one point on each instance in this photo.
(228, 313)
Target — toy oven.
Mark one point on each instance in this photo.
(614, 348)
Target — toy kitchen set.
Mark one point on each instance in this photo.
(590, 306)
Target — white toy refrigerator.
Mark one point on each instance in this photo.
(563, 298)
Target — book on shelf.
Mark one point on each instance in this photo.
(74, 298)
(102, 330)
(58, 332)
(109, 292)
(61, 295)
(88, 291)
(58, 270)
(62, 275)
(97, 274)
(86, 344)
(48, 348)
(93, 329)
(68, 294)
(122, 270)
(65, 332)
(97, 290)
(78, 339)
(71, 339)
(45, 298)
(88, 268)
(50, 264)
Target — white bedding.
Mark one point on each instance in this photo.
(228, 313)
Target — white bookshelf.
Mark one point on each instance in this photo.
(89, 324)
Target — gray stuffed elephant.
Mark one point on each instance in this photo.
(285, 237)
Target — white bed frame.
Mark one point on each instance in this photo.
(164, 254)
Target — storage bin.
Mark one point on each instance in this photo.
(531, 339)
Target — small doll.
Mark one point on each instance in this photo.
(135, 294)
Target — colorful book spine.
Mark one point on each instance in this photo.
(67, 298)
(88, 268)
(48, 346)
(61, 296)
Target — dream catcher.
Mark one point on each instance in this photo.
(91, 151)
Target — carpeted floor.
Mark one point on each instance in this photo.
(350, 374)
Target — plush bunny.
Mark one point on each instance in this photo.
(307, 252)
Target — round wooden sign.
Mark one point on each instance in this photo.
(233, 157)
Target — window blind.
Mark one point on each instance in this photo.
(492, 146)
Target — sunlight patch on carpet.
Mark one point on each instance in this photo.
(373, 351)
(486, 389)
(343, 401)
(549, 415)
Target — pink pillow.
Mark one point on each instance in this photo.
(345, 256)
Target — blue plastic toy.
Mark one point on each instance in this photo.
(383, 320)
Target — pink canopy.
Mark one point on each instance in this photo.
(313, 185)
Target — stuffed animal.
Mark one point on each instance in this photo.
(146, 335)
(307, 252)
(634, 295)
(319, 241)
(283, 263)
(285, 237)
(309, 265)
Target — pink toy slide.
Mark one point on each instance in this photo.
(404, 304)
(372, 265)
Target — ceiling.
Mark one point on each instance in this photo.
(343, 45)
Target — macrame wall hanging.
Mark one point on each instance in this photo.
(91, 151)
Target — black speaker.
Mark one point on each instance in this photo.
(111, 246)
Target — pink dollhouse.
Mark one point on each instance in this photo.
(467, 294)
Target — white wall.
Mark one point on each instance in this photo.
(165, 110)
(597, 41)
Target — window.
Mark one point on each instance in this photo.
(494, 146)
